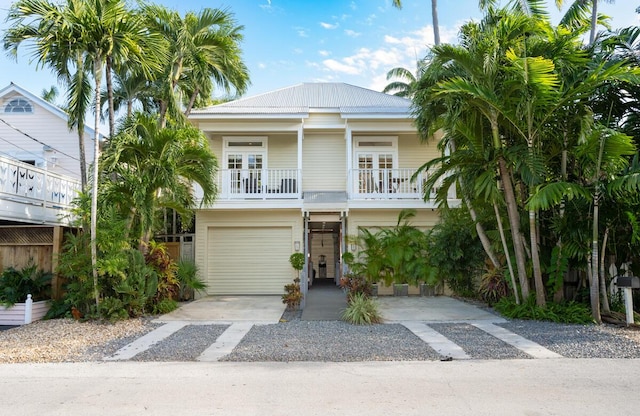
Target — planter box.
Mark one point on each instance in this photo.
(414, 290)
(18, 314)
(384, 290)
(427, 290)
(401, 290)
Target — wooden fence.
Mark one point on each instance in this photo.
(21, 246)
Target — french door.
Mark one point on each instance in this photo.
(374, 172)
(245, 171)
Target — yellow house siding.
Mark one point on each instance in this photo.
(282, 151)
(413, 154)
(324, 162)
(371, 219)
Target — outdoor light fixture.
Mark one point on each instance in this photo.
(296, 245)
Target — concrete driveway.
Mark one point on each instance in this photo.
(269, 309)
(229, 309)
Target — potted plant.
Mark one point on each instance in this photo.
(24, 295)
(293, 294)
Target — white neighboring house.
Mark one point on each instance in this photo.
(39, 159)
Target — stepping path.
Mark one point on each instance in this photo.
(533, 349)
(226, 342)
(146, 341)
(441, 344)
(234, 334)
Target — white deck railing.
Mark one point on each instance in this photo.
(259, 184)
(22, 182)
(387, 184)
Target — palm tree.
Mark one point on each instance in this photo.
(578, 8)
(405, 82)
(434, 18)
(147, 167)
(203, 50)
(87, 35)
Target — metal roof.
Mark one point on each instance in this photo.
(302, 98)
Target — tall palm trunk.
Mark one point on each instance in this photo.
(594, 21)
(108, 78)
(97, 73)
(512, 207)
(535, 259)
(436, 24)
(603, 284)
(192, 101)
(514, 222)
(482, 234)
(507, 254)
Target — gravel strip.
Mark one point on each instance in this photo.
(579, 341)
(66, 340)
(334, 341)
(185, 344)
(477, 343)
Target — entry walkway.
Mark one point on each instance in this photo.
(325, 301)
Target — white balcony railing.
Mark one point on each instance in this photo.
(387, 184)
(259, 184)
(21, 182)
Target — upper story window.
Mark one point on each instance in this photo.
(18, 105)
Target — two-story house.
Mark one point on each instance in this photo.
(301, 168)
(39, 177)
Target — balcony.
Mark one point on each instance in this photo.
(32, 194)
(259, 184)
(386, 184)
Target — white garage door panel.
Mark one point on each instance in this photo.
(249, 261)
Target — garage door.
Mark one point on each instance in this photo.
(249, 261)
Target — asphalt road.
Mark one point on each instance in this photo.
(501, 387)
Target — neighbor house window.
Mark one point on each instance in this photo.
(18, 105)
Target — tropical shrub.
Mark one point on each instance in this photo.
(392, 255)
(158, 258)
(189, 279)
(362, 310)
(356, 285)
(293, 295)
(493, 285)
(455, 252)
(568, 312)
(15, 285)
(165, 306)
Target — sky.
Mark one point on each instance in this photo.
(287, 42)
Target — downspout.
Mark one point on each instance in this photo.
(304, 281)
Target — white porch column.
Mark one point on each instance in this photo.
(300, 139)
(349, 143)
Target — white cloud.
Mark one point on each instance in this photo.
(345, 68)
(324, 53)
(298, 51)
(262, 65)
(329, 25)
(352, 33)
(302, 32)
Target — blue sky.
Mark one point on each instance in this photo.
(291, 41)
